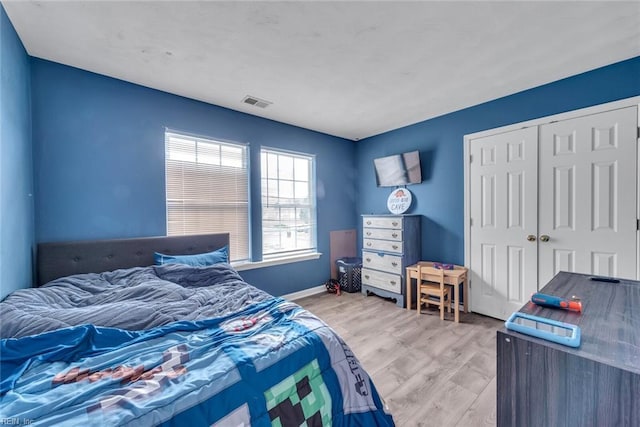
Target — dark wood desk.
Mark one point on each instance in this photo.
(598, 384)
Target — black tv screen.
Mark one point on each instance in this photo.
(399, 169)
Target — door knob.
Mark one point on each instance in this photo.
(544, 238)
(531, 238)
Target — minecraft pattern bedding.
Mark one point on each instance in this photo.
(249, 361)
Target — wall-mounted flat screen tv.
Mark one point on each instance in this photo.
(399, 169)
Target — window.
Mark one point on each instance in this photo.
(208, 189)
(288, 204)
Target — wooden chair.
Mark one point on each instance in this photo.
(432, 290)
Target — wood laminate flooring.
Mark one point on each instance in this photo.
(429, 372)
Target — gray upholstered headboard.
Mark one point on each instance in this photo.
(59, 259)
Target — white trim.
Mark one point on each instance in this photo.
(305, 293)
(467, 216)
(276, 261)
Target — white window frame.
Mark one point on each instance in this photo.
(245, 262)
(225, 171)
(298, 229)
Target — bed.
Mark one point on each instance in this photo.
(112, 339)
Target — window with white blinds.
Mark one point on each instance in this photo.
(288, 203)
(208, 189)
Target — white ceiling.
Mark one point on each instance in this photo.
(351, 69)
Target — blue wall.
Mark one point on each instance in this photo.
(99, 163)
(16, 182)
(440, 197)
(99, 158)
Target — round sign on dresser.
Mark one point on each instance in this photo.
(399, 201)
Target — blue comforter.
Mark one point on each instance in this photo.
(267, 362)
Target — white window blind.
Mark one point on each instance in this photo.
(208, 190)
(288, 203)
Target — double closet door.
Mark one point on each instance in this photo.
(556, 197)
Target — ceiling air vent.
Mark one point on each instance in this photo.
(256, 102)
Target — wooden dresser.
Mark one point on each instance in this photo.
(390, 243)
(598, 384)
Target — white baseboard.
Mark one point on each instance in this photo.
(305, 293)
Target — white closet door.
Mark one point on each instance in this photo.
(503, 181)
(588, 195)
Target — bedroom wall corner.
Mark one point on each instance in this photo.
(16, 163)
(440, 197)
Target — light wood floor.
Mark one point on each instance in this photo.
(429, 372)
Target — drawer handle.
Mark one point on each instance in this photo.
(368, 233)
(394, 223)
(395, 246)
(394, 235)
(393, 282)
(395, 264)
(368, 243)
(366, 276)
(368, 222)
(368, 259)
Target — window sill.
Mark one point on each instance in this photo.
(276, 261)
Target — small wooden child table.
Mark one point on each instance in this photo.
(459, 275)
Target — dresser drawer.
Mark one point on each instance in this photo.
(378, 279)
(382, 222)
(384, 262)
(383, 233)
(382, 245)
